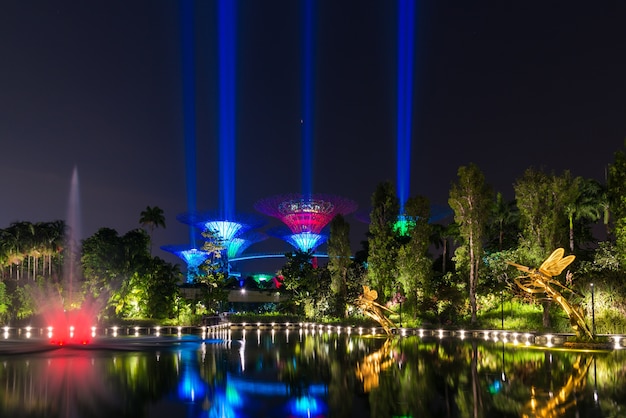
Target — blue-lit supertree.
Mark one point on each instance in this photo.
(231, 232)
(193, 257)
(240, 243)
(303, 241)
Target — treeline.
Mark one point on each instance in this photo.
(457, 273)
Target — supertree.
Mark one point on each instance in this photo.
(193, 257)
(239, 244)
(303, 241)
(305, 214)
(229, 231)
(226, 229)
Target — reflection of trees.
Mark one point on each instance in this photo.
(555, 403)
(454, 378)
(84, 383)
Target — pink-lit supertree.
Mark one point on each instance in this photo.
(305, 216)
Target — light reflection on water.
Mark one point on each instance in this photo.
(314, 374)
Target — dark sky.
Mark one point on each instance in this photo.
(503, 84)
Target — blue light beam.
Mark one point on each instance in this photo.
(189, 106)
(406, 45)
(227, 51)
(306, 106)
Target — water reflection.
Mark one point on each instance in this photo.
(314, 374)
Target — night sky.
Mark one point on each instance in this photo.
(98, 85)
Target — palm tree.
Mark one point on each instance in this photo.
(152, 218)
(588, 204)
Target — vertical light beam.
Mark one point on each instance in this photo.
(226, 51)
(406, 44)
(189, 106)
(306, 106)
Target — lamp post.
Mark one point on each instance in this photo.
(502, 307)
(593, 312)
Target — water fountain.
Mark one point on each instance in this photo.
(67, 317)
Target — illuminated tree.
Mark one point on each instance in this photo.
(339, 253)
(383, 245)
(414, 262)
(471, 198)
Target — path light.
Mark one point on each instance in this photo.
(440, 333)
(593, 312)
(549, 340)
(617, 340)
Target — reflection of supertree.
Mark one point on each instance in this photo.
(305, 214)
(193, 257)
(303, 241)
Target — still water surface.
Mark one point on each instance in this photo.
(305, 374)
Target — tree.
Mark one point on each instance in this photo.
(300, 276)
(470, 199)
(162, 288)
(503, 227)
(616, 191)
(212, 278)
(383, 244)
(588, 205)
(542, 200)
(151, 218)
(339, 253)
(414, 262)
(114, 268)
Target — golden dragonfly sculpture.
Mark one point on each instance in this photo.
(541, 281)
(366, 302)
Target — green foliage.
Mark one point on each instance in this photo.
(5, 302)
(308, 286)
(339, 262)
(414, 264)
(383, 242)
(471, 200)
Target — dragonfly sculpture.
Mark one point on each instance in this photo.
(368, 305)
(541, 282)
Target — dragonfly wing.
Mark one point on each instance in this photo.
(554, 257)
(556, 263)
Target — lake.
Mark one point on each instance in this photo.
(305, 373)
